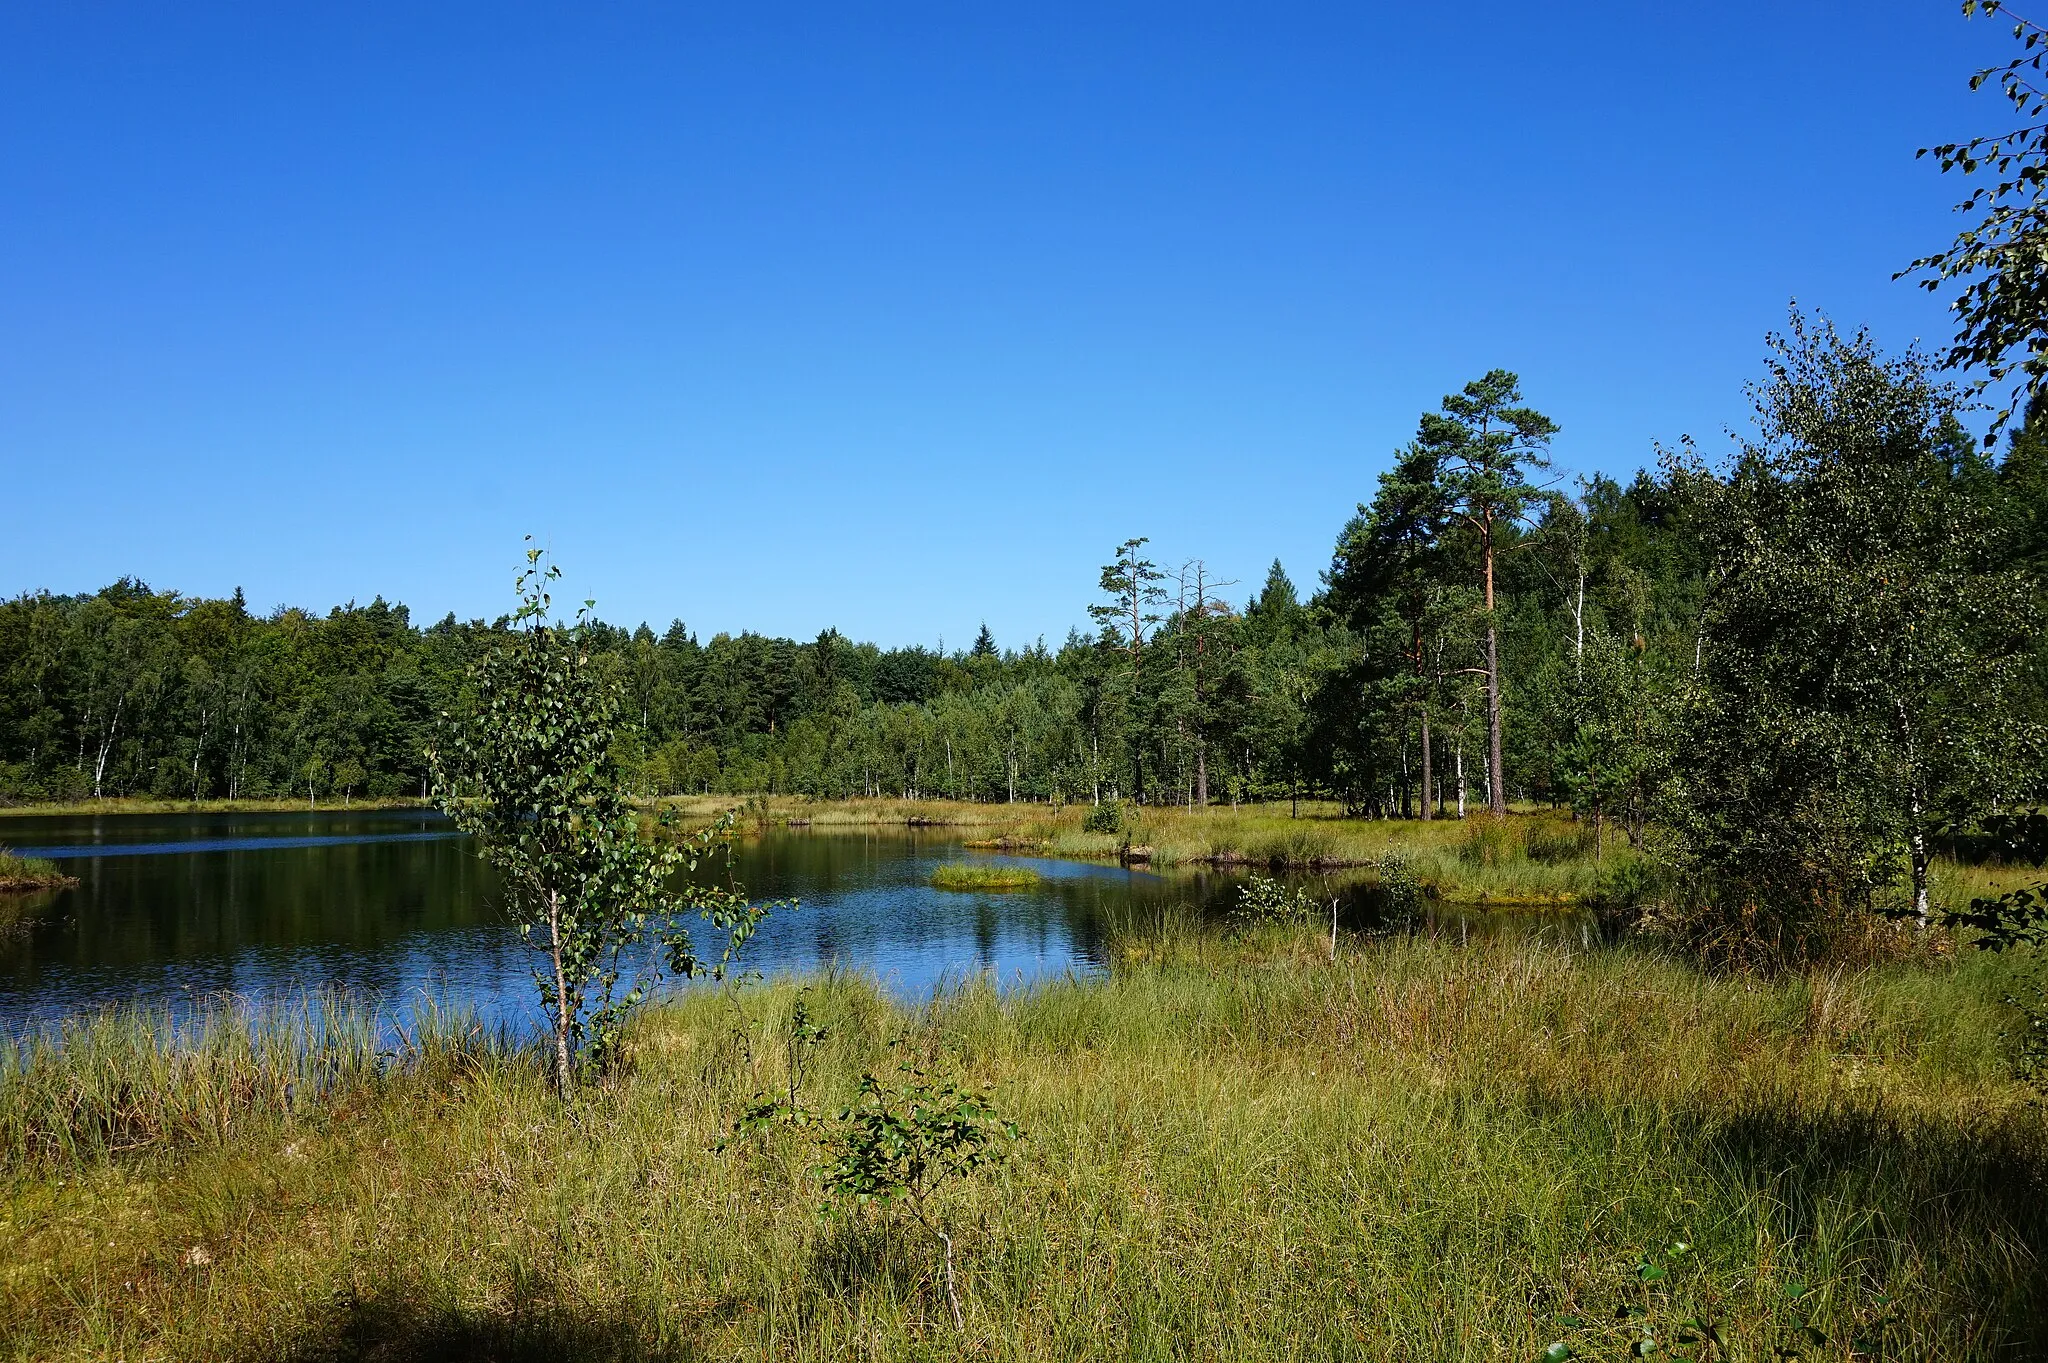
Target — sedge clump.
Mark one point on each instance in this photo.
(961, 875)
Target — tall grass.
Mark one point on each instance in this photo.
(137, 1077)
(974, 876)
(28, 873)
(1236, 1149)
(1528, 858)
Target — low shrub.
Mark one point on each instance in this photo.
(1107, 818)
(1262, 900)
(1401, 893)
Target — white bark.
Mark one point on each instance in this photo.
(99, 770)
(1579, 630)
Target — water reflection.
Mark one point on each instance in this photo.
(173, 907)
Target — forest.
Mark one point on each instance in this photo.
(1858, 572)
(1596, 604)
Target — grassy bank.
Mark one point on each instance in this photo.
(1534, 857)
(134, 805)
(21, 874)
(1234, 1150)
(780, 811)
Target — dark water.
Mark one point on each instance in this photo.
(176, 907)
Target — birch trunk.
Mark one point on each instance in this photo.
(1461, 777)
(563, 1073)
(99, 768)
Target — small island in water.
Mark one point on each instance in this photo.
(20, 875)
(967, 875)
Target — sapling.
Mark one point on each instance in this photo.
(530, 769)
(906, 1144)
(1262, 900)
(786, 1108)
(898, 1145)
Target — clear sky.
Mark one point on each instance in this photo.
(890, 317)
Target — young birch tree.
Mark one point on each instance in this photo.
(530, 770)
(1861, 639)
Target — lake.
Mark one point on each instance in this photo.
(173, 908)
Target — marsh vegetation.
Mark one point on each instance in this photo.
(1231, 1147)
(21, 874)
(976, 876)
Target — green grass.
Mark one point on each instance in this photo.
(1956, 884)
(129, 1079)
(1235, 1150)
(756, 812)
(1535, 857)
(1530, 858)
(29, 873)
(968, 875)
(1255, 835)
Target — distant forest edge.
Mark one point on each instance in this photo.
(1861, 508)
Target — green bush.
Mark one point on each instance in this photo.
(1625, 882)
(1262, 900)
(1401, 893)
(1107, 818)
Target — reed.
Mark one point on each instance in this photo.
(139, 1077)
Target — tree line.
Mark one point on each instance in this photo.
(1856, 587)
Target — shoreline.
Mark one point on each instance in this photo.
(30, 875)
(36, 884)
(136, 805)
(1535, 857)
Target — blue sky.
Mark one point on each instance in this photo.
(893, 317)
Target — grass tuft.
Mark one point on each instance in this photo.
(18, 874)
(968, 875)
